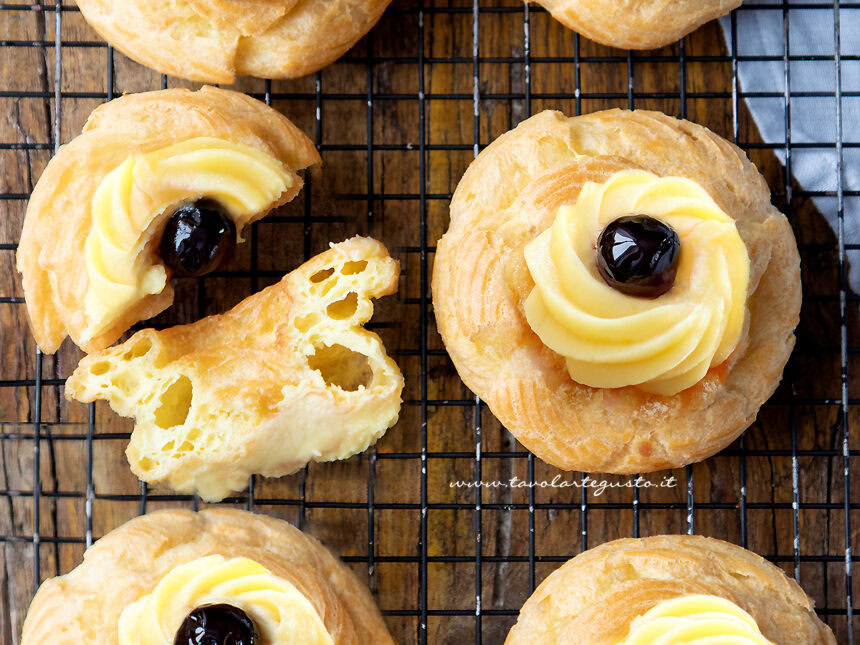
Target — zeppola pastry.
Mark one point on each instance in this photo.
(213, 41)
(667, 590)
(287, 376)
(618, 288)
(636, 24)
(157, 183)
(219, 576)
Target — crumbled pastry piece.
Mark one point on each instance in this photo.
(213, 41)
(287, 376)
(89, 250)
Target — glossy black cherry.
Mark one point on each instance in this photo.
(198, 238)
(217, 625)
(638, 255)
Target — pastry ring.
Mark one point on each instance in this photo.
(668, 589)
(586, 376)
(89, 251)
(636, 24)
(213, 41)
(137, 584)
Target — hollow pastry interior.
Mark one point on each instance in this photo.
(137, 584)
(631, 591)
(286, 377)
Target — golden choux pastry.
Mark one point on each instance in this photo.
(89, 253)
(636, 24)
(213, 41)
(618, 288)
(221, 571)
(668, 590)
(286, 377)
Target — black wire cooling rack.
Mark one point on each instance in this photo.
(432, 85)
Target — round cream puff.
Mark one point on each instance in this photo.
(618, 288)
(220, 572)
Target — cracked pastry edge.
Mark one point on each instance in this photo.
(478, 312)
(593, 598)
(247, 392)
(51, 254)
(83, 606)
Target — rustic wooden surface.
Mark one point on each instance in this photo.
(805, 412)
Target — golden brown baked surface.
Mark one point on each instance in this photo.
(593, 598)
(508, 196)
(287, 376)
(213, 41)
(51, 252)
(636, 24)
(83, 607)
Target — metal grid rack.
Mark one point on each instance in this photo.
(805, 435)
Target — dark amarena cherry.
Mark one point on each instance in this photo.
(638, 255)
(198, 238)
(217, 625)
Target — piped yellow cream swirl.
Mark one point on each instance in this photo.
(610, 339)
(133, 200)
(280, 611)
(707, 620)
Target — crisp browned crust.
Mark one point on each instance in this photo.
(508, 196)
(83, 607)
(593, 598)
(636, 24)
(213, 41)
(51, 255)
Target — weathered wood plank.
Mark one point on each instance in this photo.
(280, 246)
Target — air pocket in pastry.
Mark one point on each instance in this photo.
(668, 589)
(618, 288)
(176, 573)
(90, 251)
(636, 24)
(214, 41)
(286, 377)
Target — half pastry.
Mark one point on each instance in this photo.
(636, 24)
(219, 576)
(287, 376)
(669, 589)
(91, 253)
(618, 288)
(214, 41)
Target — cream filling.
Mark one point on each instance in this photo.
(132, 202)
(281, 612)
(695, 619)
(610, 339)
